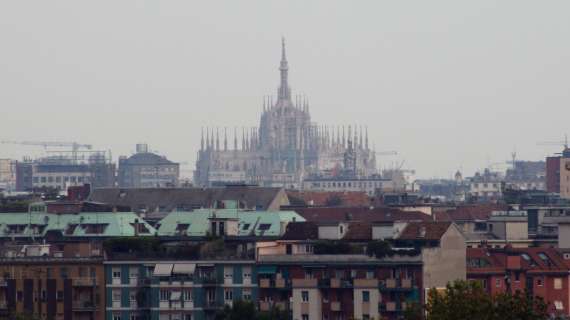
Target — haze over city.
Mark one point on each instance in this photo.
(449, 85)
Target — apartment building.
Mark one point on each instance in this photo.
(541, 272)
(59, 282)
(176, 289)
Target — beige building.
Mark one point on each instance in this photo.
(7, 174)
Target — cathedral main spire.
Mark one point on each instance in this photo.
(284, 90)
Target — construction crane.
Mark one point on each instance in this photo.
(555, 143)
(74, 145)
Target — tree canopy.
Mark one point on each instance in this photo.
(468, 301)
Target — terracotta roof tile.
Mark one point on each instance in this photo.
(320, 198)
(424, 230)
(337, 214)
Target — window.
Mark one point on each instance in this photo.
(132, 296)
(246, 271)
(353, 273)
(59, 296)
(164, 295)
(228, 273)
(559, 305)
(369, 274)
(517, 276)
(305, 296)
(498, 283)
(308, 274)
(116, 295)
(187, 317)
(228, 294)
(264, 226)
(365, 317)
(246, 294)
(539, 282)
(339, 274)
(19, 295)
(49, 274)
(365, 296)
(557, 283)
(134, 272)
(116, 273)
(116, 317)
(187, 295)
(305, 317)
(63, 272)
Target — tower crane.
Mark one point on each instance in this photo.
(555, 143)
(75, 146)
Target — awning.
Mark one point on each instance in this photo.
(162, 269)
(267, 269)
(175, 295)
(184, 268)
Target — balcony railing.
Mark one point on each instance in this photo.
(392, 306)
(335, 306)
(84, 305)
(366, 283)
(305, 283)
(397, 284)
(84, 282)
(277, 283)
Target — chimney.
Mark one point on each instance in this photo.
(422, 232)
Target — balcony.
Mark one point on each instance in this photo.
(365, 283)
(406, 283)
(392, 306)
(84, 282)
(264, 306)
(84, 306)
(397, 285)
(265, 283)
(305, 283)
(208, 281)
(281, 283)
(335, 283)
(335, 306)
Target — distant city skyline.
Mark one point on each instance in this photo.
(429, 80)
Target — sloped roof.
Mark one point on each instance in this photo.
(497, 259)
(301, 231)
(188, 198)
(359, 231)
(250, 223)
(320, 198)
(383, 214)
(146, 158)
(470, 212)
(114, 224)
(424, 230)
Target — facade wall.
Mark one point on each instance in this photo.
(134, 291)
(54, 290)
(553, 174)
(565, 178)
(564, 236)
(452, 251)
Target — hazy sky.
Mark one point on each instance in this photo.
(448, 84)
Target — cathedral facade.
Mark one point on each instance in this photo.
(286, 148)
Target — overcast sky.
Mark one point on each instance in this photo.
(448, 84)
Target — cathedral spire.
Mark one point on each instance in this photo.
(225, 138)
(284, 90)
(202, 140)
(235, 139)
(217, 139)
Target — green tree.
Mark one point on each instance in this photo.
(378, 249)
(468, 301)
(241, 310)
